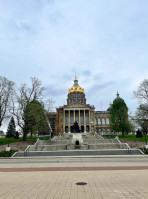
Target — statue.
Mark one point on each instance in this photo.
(75, 128)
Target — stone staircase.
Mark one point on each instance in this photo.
(88, 145)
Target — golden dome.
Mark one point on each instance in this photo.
(76, 87)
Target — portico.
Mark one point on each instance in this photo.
(80, 115)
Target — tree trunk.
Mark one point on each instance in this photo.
(123, 134)
(24, 135)
(31, 135)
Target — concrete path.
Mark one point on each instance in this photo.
(108, 177)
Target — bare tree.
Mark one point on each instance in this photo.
(6, 92)
(141, 115)
(48, 105)
(23, 97)
(142, 91)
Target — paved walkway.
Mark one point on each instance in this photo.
(119, 178)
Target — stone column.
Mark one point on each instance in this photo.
(94, 123)
(63, 121)
(68, 121)
(74, 119)
(89, 122)
(79, 120)
(84, 122)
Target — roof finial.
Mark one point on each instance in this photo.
(117, 94)
(76, 82)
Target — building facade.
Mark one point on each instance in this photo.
(77, 115)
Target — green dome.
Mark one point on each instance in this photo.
(118, 98)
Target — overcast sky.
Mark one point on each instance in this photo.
(103, 42)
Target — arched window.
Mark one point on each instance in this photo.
(107, 120)
(103, 120)
(99, 120)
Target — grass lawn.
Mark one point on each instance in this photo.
(129, 137)
(4, 141)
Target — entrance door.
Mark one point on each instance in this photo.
(82, 129)
(66, 129)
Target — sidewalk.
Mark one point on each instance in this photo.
(55, 178)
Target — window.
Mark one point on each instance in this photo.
(103, 120)
(82, 120)
(87, 119)
(66, 120)
(71, 119)
(107, 120)
(99, 120)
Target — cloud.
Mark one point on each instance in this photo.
(101, 42)
(86, 73)
(53, 91)
(94, 89)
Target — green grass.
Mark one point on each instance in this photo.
(144, 150)
(4, 141)
(128, 137)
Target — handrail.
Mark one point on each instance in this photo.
(117, 139)
(26, 150)
(128, 148)
(36, 144)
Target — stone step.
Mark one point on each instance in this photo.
(80, 153)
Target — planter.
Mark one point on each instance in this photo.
(8, 148)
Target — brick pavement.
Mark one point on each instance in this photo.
(50, 180)
(101, 184)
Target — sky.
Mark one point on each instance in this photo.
(103, 42)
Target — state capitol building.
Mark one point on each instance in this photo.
(78, 116)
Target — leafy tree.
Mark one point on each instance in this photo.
(25, 109)
(21, 104)
(11, 131)
(35, 118)
(119, 116)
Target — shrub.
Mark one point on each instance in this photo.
(144, 150)
(139, 134)
(7, 153)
